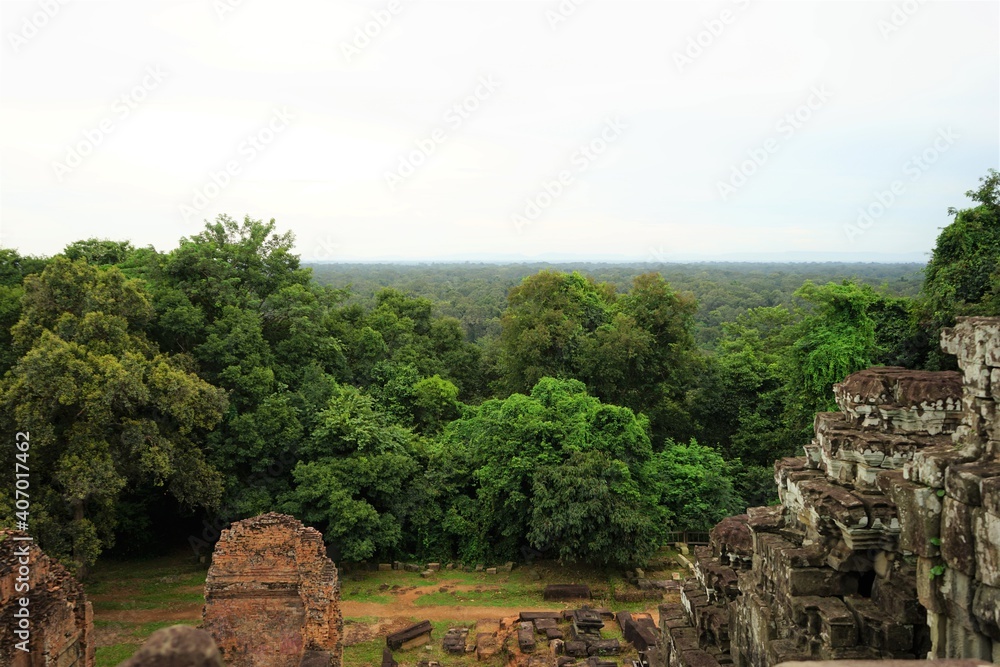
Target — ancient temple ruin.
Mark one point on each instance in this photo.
(886, 544)
(272, 597)
(40, 598)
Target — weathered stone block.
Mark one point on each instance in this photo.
(958, 591)
(990, 489)
(487, 645)
(919, 511)
(963, 482)
(929, 584)
(821, 581)
(454, 641)
(553, 592)
(893, 399)
(526, 637)
(604, 647)
(986, 609)
(877, 629)
(415, 635)
(987, 544)
(898, 597)
(957, 537)
(698, 658)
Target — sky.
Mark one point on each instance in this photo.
(418, 130)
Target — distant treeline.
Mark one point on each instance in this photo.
(476, 293)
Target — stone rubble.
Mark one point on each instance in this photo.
(886, 544)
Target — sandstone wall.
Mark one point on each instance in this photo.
(886, 544)
(272, 597)
(61, 620)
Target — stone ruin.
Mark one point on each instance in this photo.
(60, 619)
(886, 544)
(272, 597)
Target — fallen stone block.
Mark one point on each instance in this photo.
(553, 592)
(543, 624)
(536, 615)
(454, 640)
(487, 645)
(604, 647)
(415, 635)
(526, 637)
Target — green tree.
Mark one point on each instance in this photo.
(522, 446)
(104, 408)
(694, 486)
(355, 477)
(832, 341)
(963, 275)
(101, 252)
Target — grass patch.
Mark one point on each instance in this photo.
(509, 595)
(154, 583)
(109, 656)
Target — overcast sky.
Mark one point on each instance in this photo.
(598, 129)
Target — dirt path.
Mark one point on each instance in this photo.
(180, 613)
(433, 613)
(402, 606)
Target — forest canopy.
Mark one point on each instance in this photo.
(472, 412)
